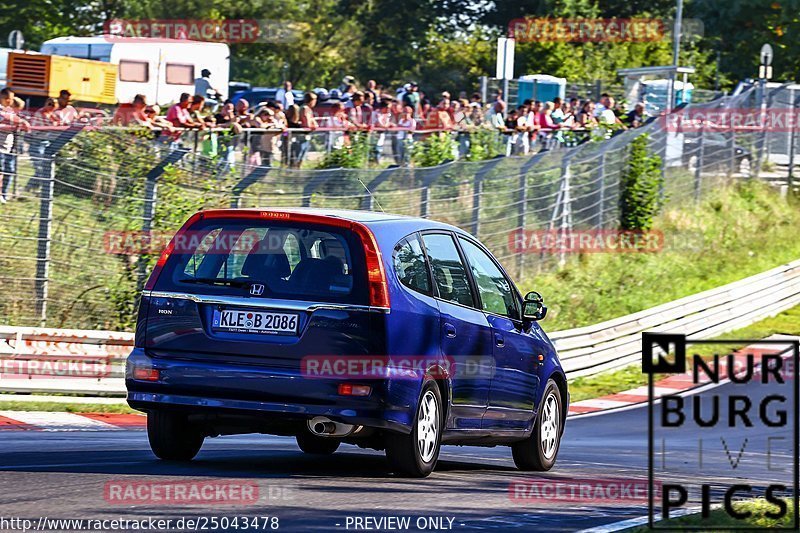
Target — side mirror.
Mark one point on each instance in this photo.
(533, 307)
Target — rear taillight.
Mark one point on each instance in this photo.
(162, 259)
(376, 273)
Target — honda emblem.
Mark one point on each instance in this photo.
(256, 289)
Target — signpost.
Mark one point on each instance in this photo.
(764, 73)
(16, 40)
(505, 62)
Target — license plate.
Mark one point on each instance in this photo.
(266, 322)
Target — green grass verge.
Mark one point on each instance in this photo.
(719, 519)
(58, 407)
(735, 232)
(631, 377)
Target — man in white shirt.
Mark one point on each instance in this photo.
(66, 112)
(285, 95)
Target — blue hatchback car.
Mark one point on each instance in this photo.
(389, 332)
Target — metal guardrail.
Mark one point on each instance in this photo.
(613, 344)
(584, 351)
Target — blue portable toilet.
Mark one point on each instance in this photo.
(542, 87)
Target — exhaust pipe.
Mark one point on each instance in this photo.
(325, 427)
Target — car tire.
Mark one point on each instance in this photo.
(317, 445)
(172, 437)
(539, 451)
(415, 454)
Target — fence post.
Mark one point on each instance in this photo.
(45, 234)
(792, 149)
(602, 202)
(562, 212)
(732, 154)
(792, 141)
(426, 180)
(477, 193)
(762, 103)
(522, 213)
(43, 241)
(149, 208)
(697, 171)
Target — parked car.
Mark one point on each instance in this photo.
(425, 339)
(258, 95)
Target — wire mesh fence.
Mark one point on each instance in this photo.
(89, 210)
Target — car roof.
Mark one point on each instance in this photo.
(368, 218)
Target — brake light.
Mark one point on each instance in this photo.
(162, 259)
(348, 389)
(145, 374)
(376, 273)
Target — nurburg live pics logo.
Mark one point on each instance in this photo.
(719, 445)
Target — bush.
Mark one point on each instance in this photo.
(435, 149)
(352, 155)
(640, 187)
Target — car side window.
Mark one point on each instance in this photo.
(497, 294)
(409, 263)
(449, 272)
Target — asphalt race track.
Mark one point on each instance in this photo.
(64, 475)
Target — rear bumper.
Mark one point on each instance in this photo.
(205, 388)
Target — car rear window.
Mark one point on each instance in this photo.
(291, 261)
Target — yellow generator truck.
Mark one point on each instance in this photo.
(38, 76)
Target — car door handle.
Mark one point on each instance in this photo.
(499, 340)
(450, 330)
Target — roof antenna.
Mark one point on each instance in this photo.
(373, 196)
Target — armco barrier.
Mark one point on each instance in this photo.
(584, 351)
(616, 343)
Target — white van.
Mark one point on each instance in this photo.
(160, 69)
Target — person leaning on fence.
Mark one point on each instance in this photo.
(226, 118)
(405, 136)
(155, 120)
(307, 122)
(179, 114)
(132, 114)
(340, 126)
(10, 124)
(42, 122)
(381, 123)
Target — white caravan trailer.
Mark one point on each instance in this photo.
(160, 69)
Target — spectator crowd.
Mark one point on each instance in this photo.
(284, 125)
